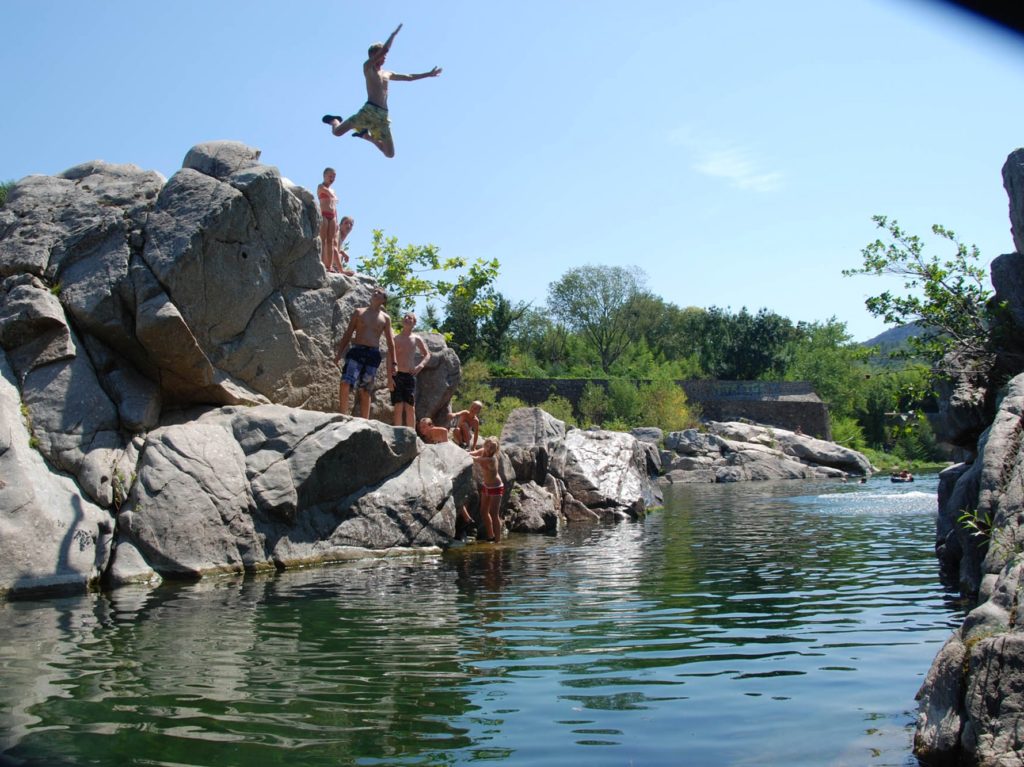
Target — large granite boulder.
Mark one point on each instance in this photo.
(732, 451)
(51, 537)
(256, 488)
(534, 509)
(606, 471)
(209, 285)
(127, 299)
(600, 474)
(965, 397)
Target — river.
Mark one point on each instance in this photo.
(785, 623)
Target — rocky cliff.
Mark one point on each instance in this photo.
(168, 393)
(146, 326)
(972, 701)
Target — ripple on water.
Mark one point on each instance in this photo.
(726, 627)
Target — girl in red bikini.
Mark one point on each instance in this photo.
(492, 488)
(328, 222)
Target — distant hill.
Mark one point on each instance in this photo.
(894, 339)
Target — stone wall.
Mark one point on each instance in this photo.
(786, 404)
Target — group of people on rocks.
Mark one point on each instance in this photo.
(359, 349)
(359, 353)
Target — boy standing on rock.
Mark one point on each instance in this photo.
(403, 396)
(363, 359)
(371, 121)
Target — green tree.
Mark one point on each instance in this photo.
(744, 346)
(560, 408)
(672, 334)
(663, 404)
(596, 303)
(594, 404)
(496, 328)
(946, 297)
(825, 355)
(460, 324)
(888, 392)
(624, 399)
(5, 189)
(417, 272)
(545, 341)
(846, 431)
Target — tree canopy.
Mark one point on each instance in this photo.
(597, 303)
(417, 272)
(948, 297)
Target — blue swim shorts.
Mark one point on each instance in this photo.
(361, 363)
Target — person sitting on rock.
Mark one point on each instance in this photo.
(371, 122)
(362, 360)
(431, 434)
(466, 426)
(403, 396)
(344, 230)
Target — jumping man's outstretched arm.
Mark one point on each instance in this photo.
(377, 58)
(409, 78)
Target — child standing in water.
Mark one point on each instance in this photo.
(492, 488)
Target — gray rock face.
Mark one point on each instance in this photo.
(1013, 182)
(1008, 282)
(598, 473)
(972, 698)
(604, 470)
(123, 295)
(254, 488)
(964, 400)
(977, 713)
(51, 537)
(533, 509)
(739, 452)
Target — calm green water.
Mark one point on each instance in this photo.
(753, 624)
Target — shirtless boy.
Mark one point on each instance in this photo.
(328, 223)
(371, 122)
(403, 396)
(344, 230)
(363, 359)
(466, 430)
(492, 488)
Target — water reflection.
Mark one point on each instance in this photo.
(720, 631)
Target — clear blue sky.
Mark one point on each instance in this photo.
(734, 151)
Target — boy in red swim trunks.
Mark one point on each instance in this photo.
(371, 121)
(492, 488)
